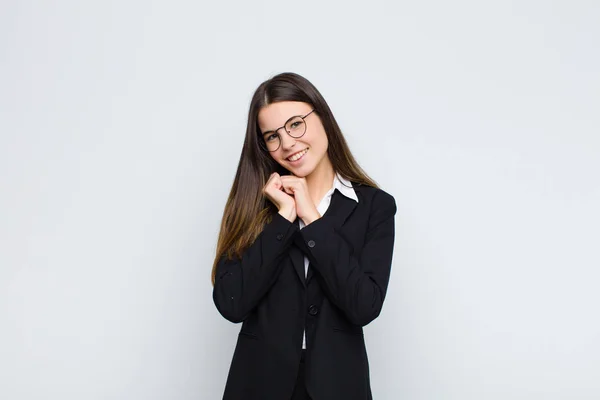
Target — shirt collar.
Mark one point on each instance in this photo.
(344, 186)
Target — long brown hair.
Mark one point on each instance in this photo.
(247, 210)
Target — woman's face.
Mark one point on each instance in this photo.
(312, 146)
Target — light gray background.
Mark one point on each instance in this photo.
(121, 126)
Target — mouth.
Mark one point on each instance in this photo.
(297, 156)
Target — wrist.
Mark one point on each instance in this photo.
(288, 213)
(311, 218)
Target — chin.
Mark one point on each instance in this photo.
(300, 172)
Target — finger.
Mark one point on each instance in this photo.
(293, 185)
(272, 185)
(273, 180)
(288, 189)
(289, 178)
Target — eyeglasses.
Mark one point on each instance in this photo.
(295, 127)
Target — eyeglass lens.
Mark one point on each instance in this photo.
(295, 127)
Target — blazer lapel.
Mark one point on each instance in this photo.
(297, 257)
(338, 211)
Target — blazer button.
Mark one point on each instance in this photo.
(279, 236)
(311, 243)
(313, 310)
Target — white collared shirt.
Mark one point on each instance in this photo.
(345, 188)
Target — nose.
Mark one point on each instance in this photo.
(287, 142)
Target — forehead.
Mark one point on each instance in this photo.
(274, 115)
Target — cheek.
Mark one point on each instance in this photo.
(278, 158)
(323, 142)
(318, 140)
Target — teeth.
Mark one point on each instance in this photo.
(297, 155)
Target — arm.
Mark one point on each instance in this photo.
(356, 285)
(241, 283)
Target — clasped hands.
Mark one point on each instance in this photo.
(290, 194)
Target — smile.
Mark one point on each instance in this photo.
(297, 156)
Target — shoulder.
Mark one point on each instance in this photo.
(374, 197)
(378, 207)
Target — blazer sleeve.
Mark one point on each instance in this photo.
(357, 285)
(241, 283)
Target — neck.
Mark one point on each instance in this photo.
(320, 180)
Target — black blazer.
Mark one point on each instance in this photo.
(350, 252)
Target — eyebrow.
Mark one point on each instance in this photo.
(273, 130)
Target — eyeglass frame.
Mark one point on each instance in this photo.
(262, 142)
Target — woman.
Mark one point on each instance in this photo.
(304, 252)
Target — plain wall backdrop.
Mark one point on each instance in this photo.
(121, 126)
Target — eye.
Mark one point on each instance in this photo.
(271, 137)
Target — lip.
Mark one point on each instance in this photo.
(298, 160)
